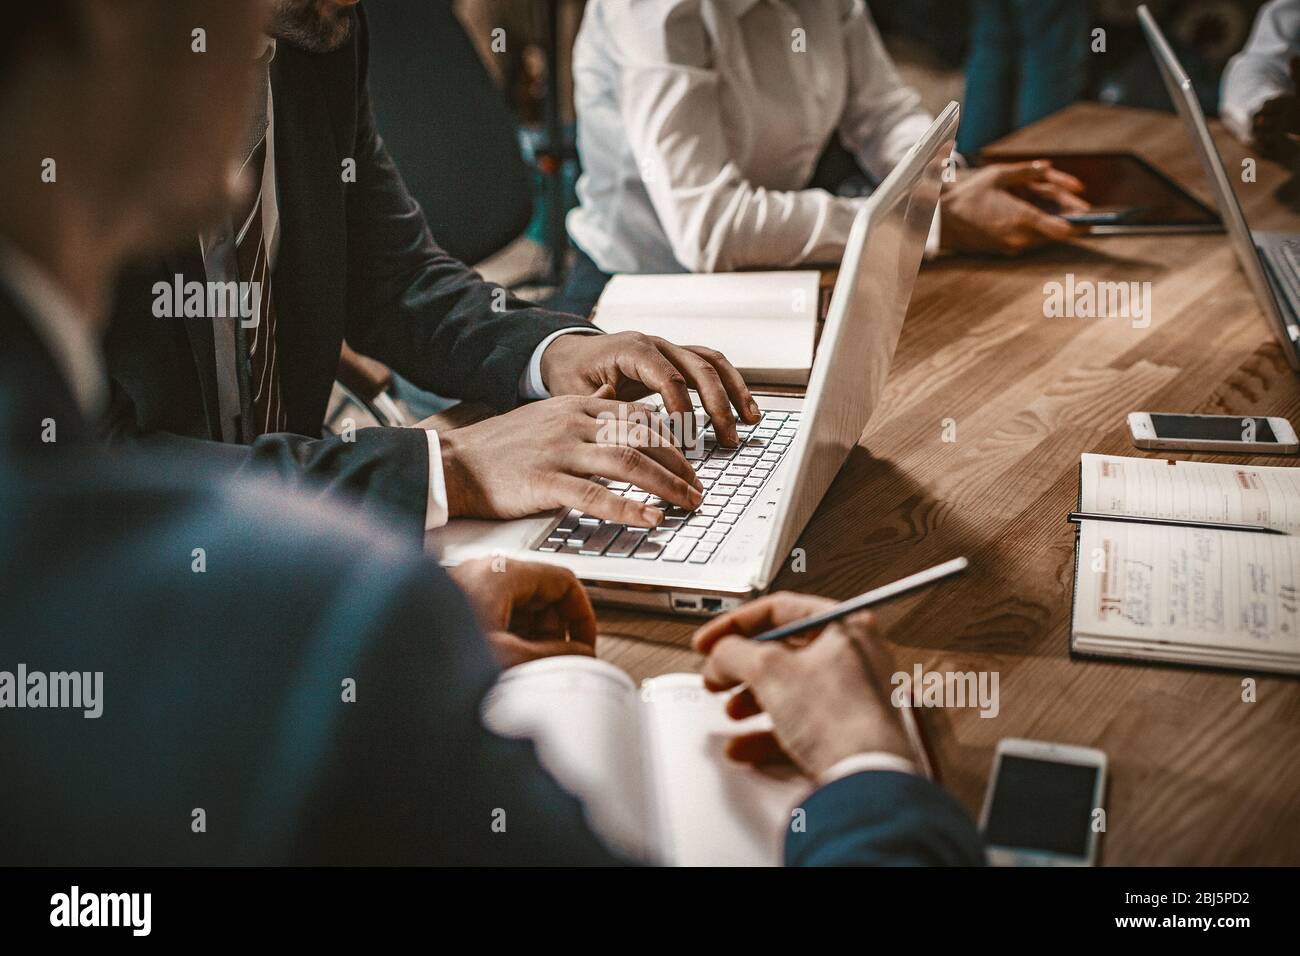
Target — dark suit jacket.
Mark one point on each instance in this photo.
(223, 689)
(356, 260)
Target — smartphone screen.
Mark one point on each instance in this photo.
(1216, 428)
(1042, 805)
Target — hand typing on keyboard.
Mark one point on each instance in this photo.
(542, 456)
(636, 365)
(729, 478)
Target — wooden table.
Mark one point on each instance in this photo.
(1196, 775)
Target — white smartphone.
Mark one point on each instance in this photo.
(1243, 434)
(1043, 806)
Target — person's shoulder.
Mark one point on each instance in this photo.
(144, 514)
(656, 13)
(289, 531)
(229, 582)
(657, 33)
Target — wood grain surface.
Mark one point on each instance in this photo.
(1197, 775)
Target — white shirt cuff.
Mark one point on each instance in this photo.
(435, 510)
(531, 386)
(936, 227)
(932, 240)
(874, 760)
(1240, 117)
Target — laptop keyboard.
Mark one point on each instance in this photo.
(1291, 255)
(1283, 264)
(1283, 268)
(732, 479)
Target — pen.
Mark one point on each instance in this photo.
(1076, 516)
(920, 745)
(867, 599)
(911, 726)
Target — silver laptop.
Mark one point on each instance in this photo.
(1271, 260)
(758, 497)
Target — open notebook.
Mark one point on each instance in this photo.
(649, 762)
(1189, 595)
(764, 322)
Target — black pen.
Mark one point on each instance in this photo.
(1076, 516)
(867, 599)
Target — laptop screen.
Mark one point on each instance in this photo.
(1180, 90)
(871, 297)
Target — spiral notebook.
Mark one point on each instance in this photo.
(1203, 596)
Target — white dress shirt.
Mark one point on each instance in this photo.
(219, 265)
(1262, 70)
(700, 123)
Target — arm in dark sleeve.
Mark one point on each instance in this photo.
(414, 776)
(883, 818)
(380, 470)
(415, 308)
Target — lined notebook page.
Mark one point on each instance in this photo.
(712, 810)
(1183, 586)
(1199, 491)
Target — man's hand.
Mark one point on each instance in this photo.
(528, 610)
(540, 456)
(992, 209)
(827, 698)
(635, 365)
(1275, 126)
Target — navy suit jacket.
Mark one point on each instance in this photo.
(356, 260)
(224, 688)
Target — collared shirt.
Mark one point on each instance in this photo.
(700, 123)
(1262, 70)
(218, 250)
(61, 326)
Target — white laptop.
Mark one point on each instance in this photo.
(1270, 260)
(758, 497)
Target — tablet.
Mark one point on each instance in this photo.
(1133, 196)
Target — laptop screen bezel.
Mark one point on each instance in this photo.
(799, 499)
(1183, 95)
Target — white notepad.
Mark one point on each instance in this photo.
(764, 322)
(1189, 595)
(649, 762)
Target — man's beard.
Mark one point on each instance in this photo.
(302, 23)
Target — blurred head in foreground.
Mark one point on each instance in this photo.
(121, 123)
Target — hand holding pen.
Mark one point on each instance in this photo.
(828, 698)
